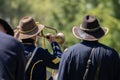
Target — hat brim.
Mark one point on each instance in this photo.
(36, 31)
(89, 35)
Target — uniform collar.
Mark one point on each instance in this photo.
(90, 43)
(29, 45)
(85, 41)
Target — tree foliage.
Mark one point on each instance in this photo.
(64, 14)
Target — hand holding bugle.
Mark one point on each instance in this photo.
(59, 37)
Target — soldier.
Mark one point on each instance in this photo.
(90, 59)
(12, 59)
(37, 58)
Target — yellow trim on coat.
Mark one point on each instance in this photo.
(56, 60)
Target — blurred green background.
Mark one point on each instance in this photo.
(64, 14)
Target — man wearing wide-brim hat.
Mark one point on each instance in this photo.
(90, 59)
(37, 58)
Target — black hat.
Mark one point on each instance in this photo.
(7, 27)
(90, 29)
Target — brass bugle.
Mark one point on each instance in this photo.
(59, 37)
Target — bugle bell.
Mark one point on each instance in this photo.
(59, 37)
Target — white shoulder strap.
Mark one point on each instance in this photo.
(28, 63)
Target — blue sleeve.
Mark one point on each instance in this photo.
(116, 65)
(64, 67)
(56, 49)
(53, 60)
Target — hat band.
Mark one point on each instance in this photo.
(24, 32)
(94, 29)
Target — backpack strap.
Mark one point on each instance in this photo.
(30, 59)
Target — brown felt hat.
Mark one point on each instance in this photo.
(27, 28)
(90, 29)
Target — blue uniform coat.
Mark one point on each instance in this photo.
(74, 60)
(12, 59)
(42, 59)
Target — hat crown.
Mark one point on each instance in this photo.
(27, 24)
(90, 22)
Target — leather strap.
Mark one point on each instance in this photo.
(88, 65)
